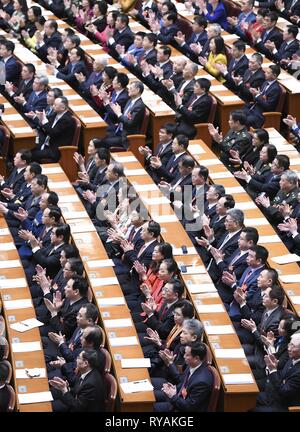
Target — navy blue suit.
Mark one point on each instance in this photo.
(167, 34)
(35, 102)
(12, 71)
(14, 181)
(67, 73)
(200, 38)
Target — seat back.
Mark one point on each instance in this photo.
(4, 343)
(67, 162)
(103, 338)
(145, 123)
(212, 406)
(76, 135)
(9, 368)
(4, 150)
(208, 358)
(111, 392)
(107, 366)
(185, 27)
(202, 128)
(12, 399)
(2, 326)
(272, 119)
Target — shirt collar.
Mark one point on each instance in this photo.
(82, 376)
(192, 370)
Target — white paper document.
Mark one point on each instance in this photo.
(146, 187)
(124, 159)
(100, 263)
(59, 185)
(4, 231)
(248, 205)
(68, 198)
(31, 373)
(195, 270)
(286, 259)
(252, 222)
(217, 88)
(112, 301)
(10, 264)
(136, 386)
(219, 329)
(214, 308)
(26, 325)
(135, 172)
(157, 200)
(292, 278)
(104, 281)
(52, 170)
(294, 161)
(18, 304)
(295, 300)
(21, 130)
(7, 246)
(211, 162)
(82, 227)
(26, 347)
(269, 239)
(230, 353)
(238, 378)
(230, 98)
(235, 190)
(27, 398)
(166, 218)
(123, 341)
(118, 323)
(196, 149)
(220, 175)
(135, 363)
(13, 283)
(9, 117)
(75, 215)
(198, 289)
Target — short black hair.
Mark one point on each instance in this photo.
(80, 284)
(122, 79)
(9, 45)
(103, 154)
(178, 286)
(25, 155)
(75, 40)
(198, 349)
(277, 293)
(52, 198)
(172, 16)
(53, 24)
(293, 30)
(275, 69)
(240, 45)
(239, 116)
(187, 162)
(70, 251)
(54, 212)
(229, 202)
(251, 233)
(90, 356)
(262, 135)
(102, 5)
(152, 38)
(76, 266)
(271, 151)
(200, 20)
(187, 308)
(30, 67)
(36, 10)
(273, 16)
(42, 180)
(57, 92)
(261, 253)
(124, 18)
(203, 172)
(63, 231)
(95, 336)
(153, 228)
(35, 168)
(110, 71)
(283, 161)
(91, 312)
(182, 140)
(273, 274)
(204, 83)
(166, 50)
(169, 128)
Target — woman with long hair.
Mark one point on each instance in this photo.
(217, 55)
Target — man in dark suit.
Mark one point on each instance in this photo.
(265, 99)
(217, 222)
(142, 13)
(177, 188)
(149, 55)
(236, 263)
(121, 35)
(166, 30)
(290, 227)
(129, 121)
(25, 86)
(86, 182)
(169, 171)
(193, 392)
(210, 248)
(163, 320)
(16, 178)
(283, 387)
(196, 110)
(37, 100)
(199, 36)
(162, 69)
(4, 393)
(268, 183)
(95, 78)
(290, 9)
(52, 38)
(76, 65)
(12, 67)
(119, 96)
(253, 77)
(88, 392)
(239, 25)
(270, 34)
(163, 150)
(134, 52)
(289, 46)
(237, 65)
(58, 130)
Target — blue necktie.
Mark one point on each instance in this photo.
(126, 111)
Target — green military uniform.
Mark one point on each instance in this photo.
(281, 198)
(233, 140)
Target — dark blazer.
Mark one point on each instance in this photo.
(236, 69)
(89, 396)
(162, 321)
(198, 114)
(267, 183)
(170, 171)
(195, 38)
(24, 88)
(164, 156)
(121, 99)
(150, 57)
(68, 350)
(273, 36)
(35, 102)
(254, 80)
(53, 41)
(132, 121)
(145, 257)
(14, 180)
(218, 226)
(95, 78)
(66, 321)
(21, 197)
(266, 102)
(67, 73)
(286, 50)
(167, 34)
(12, 71)
(125, 38)
(198, 390)
(50, 261)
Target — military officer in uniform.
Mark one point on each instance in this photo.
(287, 194)
(237, 138)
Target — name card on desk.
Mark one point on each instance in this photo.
(124, 159)
(68, 198)
(238, 379)
(269, 239)
(7, 246)
(256, 222)
(112, 301)
(219, 329)
(59, 185)
(26, 347)
(248, 205)
(123, 341)
(30, 373)
(286, 259)
(220, 175)
(198, 289)
(146, 187)
(118, 323)
(28, 398)
(235, 190)
(10, 264)
(18, 304)
(292, 278)
(136, 386)
(104, 281)
(4, 231)
(166, 218)
(214, 308)
(135, 363)
(230, 353)
(75, 214)
(157, 200)
(195, 270)
(135, 172)
(13, 283)
(100, 263)
(211, 162)
(52, 170)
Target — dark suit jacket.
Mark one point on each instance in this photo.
(122, 99)
(266, 182)
(274, 36)
(12, 71)
(65, 321)
(198, 390)
(170, 171)
(125, 38)
(236, 69)
(84, 88)
(14, 181)
(50, 261)
(89, 396)
(198, 114)
(53, 41)
(167, 34)
(199, 38)
(162, 322)
(67, 73)
(286, 50)
(132, 121)
(24, 88)
(145, 258)
(35, 102)
(249, 80)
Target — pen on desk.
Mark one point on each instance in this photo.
(22, 322)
